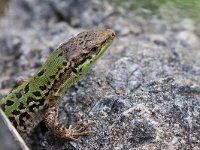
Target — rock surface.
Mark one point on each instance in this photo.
(148, 97)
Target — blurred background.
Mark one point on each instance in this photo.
(173, 10)
(148, 95)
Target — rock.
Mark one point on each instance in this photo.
(126, 76)
(142, 94)
(158, 39)
(189, 38)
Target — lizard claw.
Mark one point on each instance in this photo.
(77, 131)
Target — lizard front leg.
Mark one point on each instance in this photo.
(52, 123)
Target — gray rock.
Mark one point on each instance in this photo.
(144, 93)
(126, 76)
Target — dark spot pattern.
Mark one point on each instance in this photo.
(41, 101)
(15, 112)
(24, 115)
(53, 76)
(3, 107)
(74, 70)
(14, 122)
(61, 74)
(81, 69)
(21, 121)
(31, 108)
(41, 73)
(89, 57)
(34, 105)
(84, 54)
(44, 87)
(48, 82)
(12, 119)
(9, 102)
(55, 90)
(64, 63)
(81, 62)
(29, 100)
(59, 68)
(21, 106)
(37, 93)
(26, 89)
(18, 95)
(61, 54)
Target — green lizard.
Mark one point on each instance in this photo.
(37, 98)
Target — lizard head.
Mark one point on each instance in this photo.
(84, 49)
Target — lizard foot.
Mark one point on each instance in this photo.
(77, 131)
(71, 133)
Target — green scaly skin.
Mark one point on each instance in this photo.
(37, 98)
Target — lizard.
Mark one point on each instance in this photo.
(37, 98)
